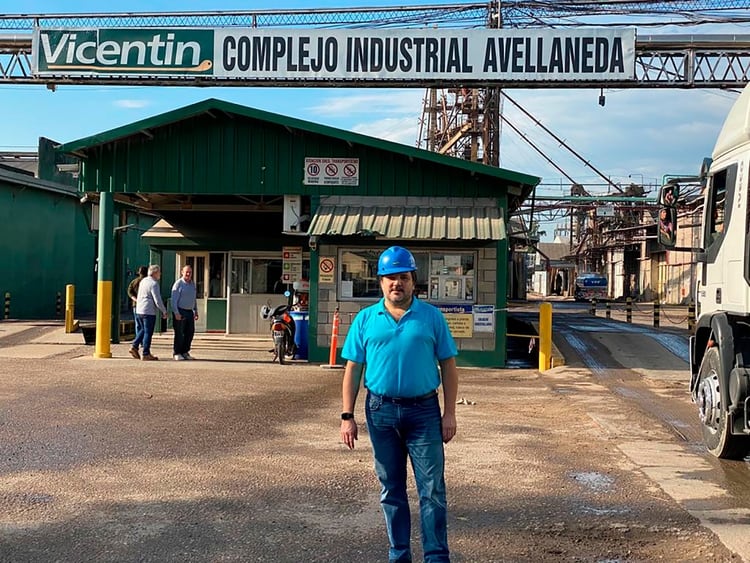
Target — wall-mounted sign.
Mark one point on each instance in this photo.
(459, 318)
(331, 172)
(461, 326)
(291, 264)
(484, 318)
(326, 268)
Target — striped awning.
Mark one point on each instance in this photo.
(410, 222)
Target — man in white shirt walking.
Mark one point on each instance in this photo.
(148, 303)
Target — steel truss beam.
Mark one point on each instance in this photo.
(673, 61)
(512, 13)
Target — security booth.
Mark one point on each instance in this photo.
(260, 204)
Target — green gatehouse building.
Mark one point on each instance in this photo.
(260, 203)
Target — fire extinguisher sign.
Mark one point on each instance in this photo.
(291, 264)
(331, 171)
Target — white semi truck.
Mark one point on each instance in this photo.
(720, 346)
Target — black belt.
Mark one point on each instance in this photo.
(406, 400)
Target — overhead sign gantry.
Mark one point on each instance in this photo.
(443, 45)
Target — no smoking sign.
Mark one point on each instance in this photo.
(326, 266)
(328, 171)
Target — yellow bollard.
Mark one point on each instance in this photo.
(70, 305)
(103, 319)
(545, 336)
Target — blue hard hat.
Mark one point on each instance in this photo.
(395, 260)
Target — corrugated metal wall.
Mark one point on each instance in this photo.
(44, 245)
(238, 155)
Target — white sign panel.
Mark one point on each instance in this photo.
(484, 318)
(309, 55)
(331, 172)
(291, 264)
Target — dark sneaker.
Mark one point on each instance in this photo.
(149, 358)
(187, 356)
(134, 353)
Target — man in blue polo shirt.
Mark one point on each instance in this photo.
(184, 313)
(401, 340)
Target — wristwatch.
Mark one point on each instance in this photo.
(347, 416)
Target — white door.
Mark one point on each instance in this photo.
(199, 263)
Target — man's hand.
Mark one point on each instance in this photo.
(449, 427)
(195, 316)
(177, 316)
(348, 433)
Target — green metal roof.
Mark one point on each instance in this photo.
(9, 177)
(410, 222)
(80, 146)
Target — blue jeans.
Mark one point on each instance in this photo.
(398, 430)
(148, 323)
(138, 325)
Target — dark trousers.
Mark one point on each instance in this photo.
(184, 330)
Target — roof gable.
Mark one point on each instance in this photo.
(80, 146)
(555, 251)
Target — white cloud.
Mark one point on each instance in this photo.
(131, 104)
(384, 102)
(399, 130)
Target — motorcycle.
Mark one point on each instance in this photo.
(283, 329)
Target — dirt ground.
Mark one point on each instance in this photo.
(232, 458)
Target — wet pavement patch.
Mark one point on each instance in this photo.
(595, 481)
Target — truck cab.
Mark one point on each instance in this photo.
(720, 347)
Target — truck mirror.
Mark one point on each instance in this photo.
(669, 194)
(667, 227)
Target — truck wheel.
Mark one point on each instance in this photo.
(715, 421)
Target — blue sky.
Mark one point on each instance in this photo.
(639, 135)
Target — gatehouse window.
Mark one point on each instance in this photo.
(261, 275)
(217, 282)
(442, 276)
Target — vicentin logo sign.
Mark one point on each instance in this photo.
(325, 55)
(123, 51)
